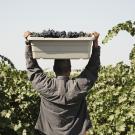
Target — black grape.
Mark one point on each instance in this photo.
(59, 34)
(63, 34)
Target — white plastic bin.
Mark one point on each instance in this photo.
(61, 48)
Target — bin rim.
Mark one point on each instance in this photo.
(61, 39)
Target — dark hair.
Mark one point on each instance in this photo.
(62, 66)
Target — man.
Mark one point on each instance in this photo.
(63, 109)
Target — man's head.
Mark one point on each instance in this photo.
(62, 67)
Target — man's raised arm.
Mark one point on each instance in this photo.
(39, 79)
(91, 70)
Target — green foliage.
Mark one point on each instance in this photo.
(5, 59)
(111, 101)
(18, 102)
(128, 26)
(132, 57)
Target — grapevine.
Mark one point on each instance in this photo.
(5, 59)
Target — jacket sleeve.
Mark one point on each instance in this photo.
(39, 79)
(89, 75)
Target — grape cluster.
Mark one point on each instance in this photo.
(59, 34)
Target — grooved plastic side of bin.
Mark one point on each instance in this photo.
(61, 48)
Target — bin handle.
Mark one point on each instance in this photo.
(93, 37)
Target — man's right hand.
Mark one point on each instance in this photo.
(95, 42)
